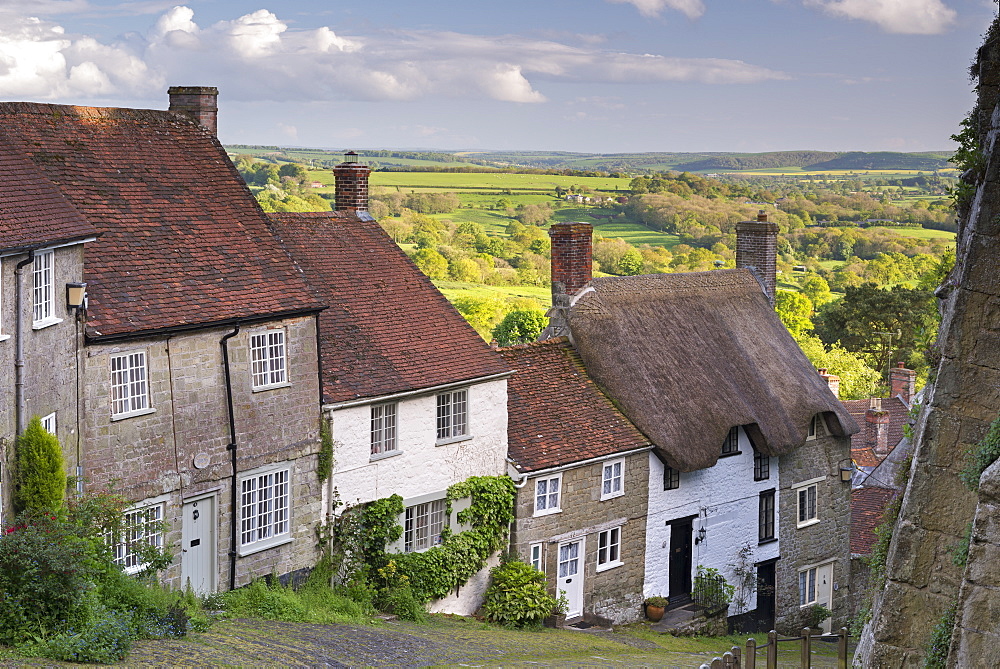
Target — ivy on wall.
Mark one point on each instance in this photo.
(355, 543)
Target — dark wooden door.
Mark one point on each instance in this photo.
(680, 560)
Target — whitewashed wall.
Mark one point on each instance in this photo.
(725, 498)
(421, 468)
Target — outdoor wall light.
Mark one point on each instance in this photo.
(76, 294)
(846, 471)
(701, 535)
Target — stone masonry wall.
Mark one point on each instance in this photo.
(50, 354)
(614, 594)
(923, 581)
(820, 543)
(178, 450)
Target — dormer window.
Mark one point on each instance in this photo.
(43, 291)
(815, 427)
(731, 444)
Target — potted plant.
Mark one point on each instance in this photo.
(655, 606)
(815, 615)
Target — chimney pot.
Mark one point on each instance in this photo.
(832, 382)
(351, 179)
(902, 383)
(877, 427)
(199, 103)
(761, 216)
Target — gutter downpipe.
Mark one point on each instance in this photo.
(231, 447)
(19, 343)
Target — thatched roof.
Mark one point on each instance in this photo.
(688, 356)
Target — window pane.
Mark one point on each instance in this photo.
(540, 496)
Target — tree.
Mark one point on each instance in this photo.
(482, 313)
(431, 263)
(520, 326)
(794, 310)
(41, 472)
(858, 381)
(817, 290)
(630, 263)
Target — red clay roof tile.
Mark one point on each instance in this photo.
(867, 508)
(899, 415)
(388, 329)
(557, 414)
(183, 241)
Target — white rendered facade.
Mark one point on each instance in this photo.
(725, 501)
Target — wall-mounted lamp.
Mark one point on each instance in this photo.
(846, 471)
(701, 535)
(76, 295)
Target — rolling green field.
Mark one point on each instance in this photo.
(448, 181)
(454, 290)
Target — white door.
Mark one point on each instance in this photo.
(198, 545)
(570, 579)
(824, 592)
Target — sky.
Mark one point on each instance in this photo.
(602, 76)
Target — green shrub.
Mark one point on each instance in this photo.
(106, 638)
(960, 552)
(314, 602)
(41, 472)
(981, 457)
(517, 596)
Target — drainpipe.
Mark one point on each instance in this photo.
(19, 343)
(231, 447)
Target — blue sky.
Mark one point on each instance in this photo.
(570, 75)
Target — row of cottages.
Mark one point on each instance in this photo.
(213, 340)
(668, 424)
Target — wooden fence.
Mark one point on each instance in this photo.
(738, 658)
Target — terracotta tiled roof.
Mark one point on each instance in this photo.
(183, 241)
(388, 329)
(33, 212)
(867, 507)
(899, 415)
(557, 414)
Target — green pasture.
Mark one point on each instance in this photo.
(454, 290)
(497, 181)
(924, 233)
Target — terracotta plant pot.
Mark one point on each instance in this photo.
(654, 613)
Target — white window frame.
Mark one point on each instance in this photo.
(807, 581)
(452, 416)
(265, 508)
(609, 548)
(612, 479)
(49, 423)
(535, 557)
(815, 427)
(423, 525)
(384, 438)
(129, 385)
(140, 524)
(43, 290)
(268, 360)
(544, 503)
(802, 495)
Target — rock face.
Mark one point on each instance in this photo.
(923, 581)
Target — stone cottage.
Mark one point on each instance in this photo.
(581, 469)
(198, 393)
(416, 400)
(748, 441)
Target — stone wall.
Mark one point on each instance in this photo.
(50, 355)
(178, 450)
(821, 543)
(923, 581)
(613, 594)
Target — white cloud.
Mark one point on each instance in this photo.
(690, 8)
(913, 17)
(257, 56)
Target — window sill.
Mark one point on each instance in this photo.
(273, 386)
(763, 478)
(764, 542)
(132, 414)
(729, 455)
(545, 512)
(807, 523)
(4, 337)
(453, 440)
(383, 456)
(609, 565)
(620, 493)
(257, 547)
(45, 322)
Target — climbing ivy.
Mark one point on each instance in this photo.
(984, 454)
(325, 462)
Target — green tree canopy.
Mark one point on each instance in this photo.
(817, 290)
(41, 472)
(858, 381)
(520, 326)
(631, 262)
(431, 263)
(794, 310)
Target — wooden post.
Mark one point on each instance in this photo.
(842, 649)
(805, 658)
(729, 662)
(717, 663)
(750, 662)
(737, 660)
(772, 650)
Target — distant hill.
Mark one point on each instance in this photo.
(883, 160)
(759, 161)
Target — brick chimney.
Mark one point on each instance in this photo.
(352, 184)
(757, 250)
(832, 381)
(200, 103)
(877, 427)
(572, 257)
(902, 382)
